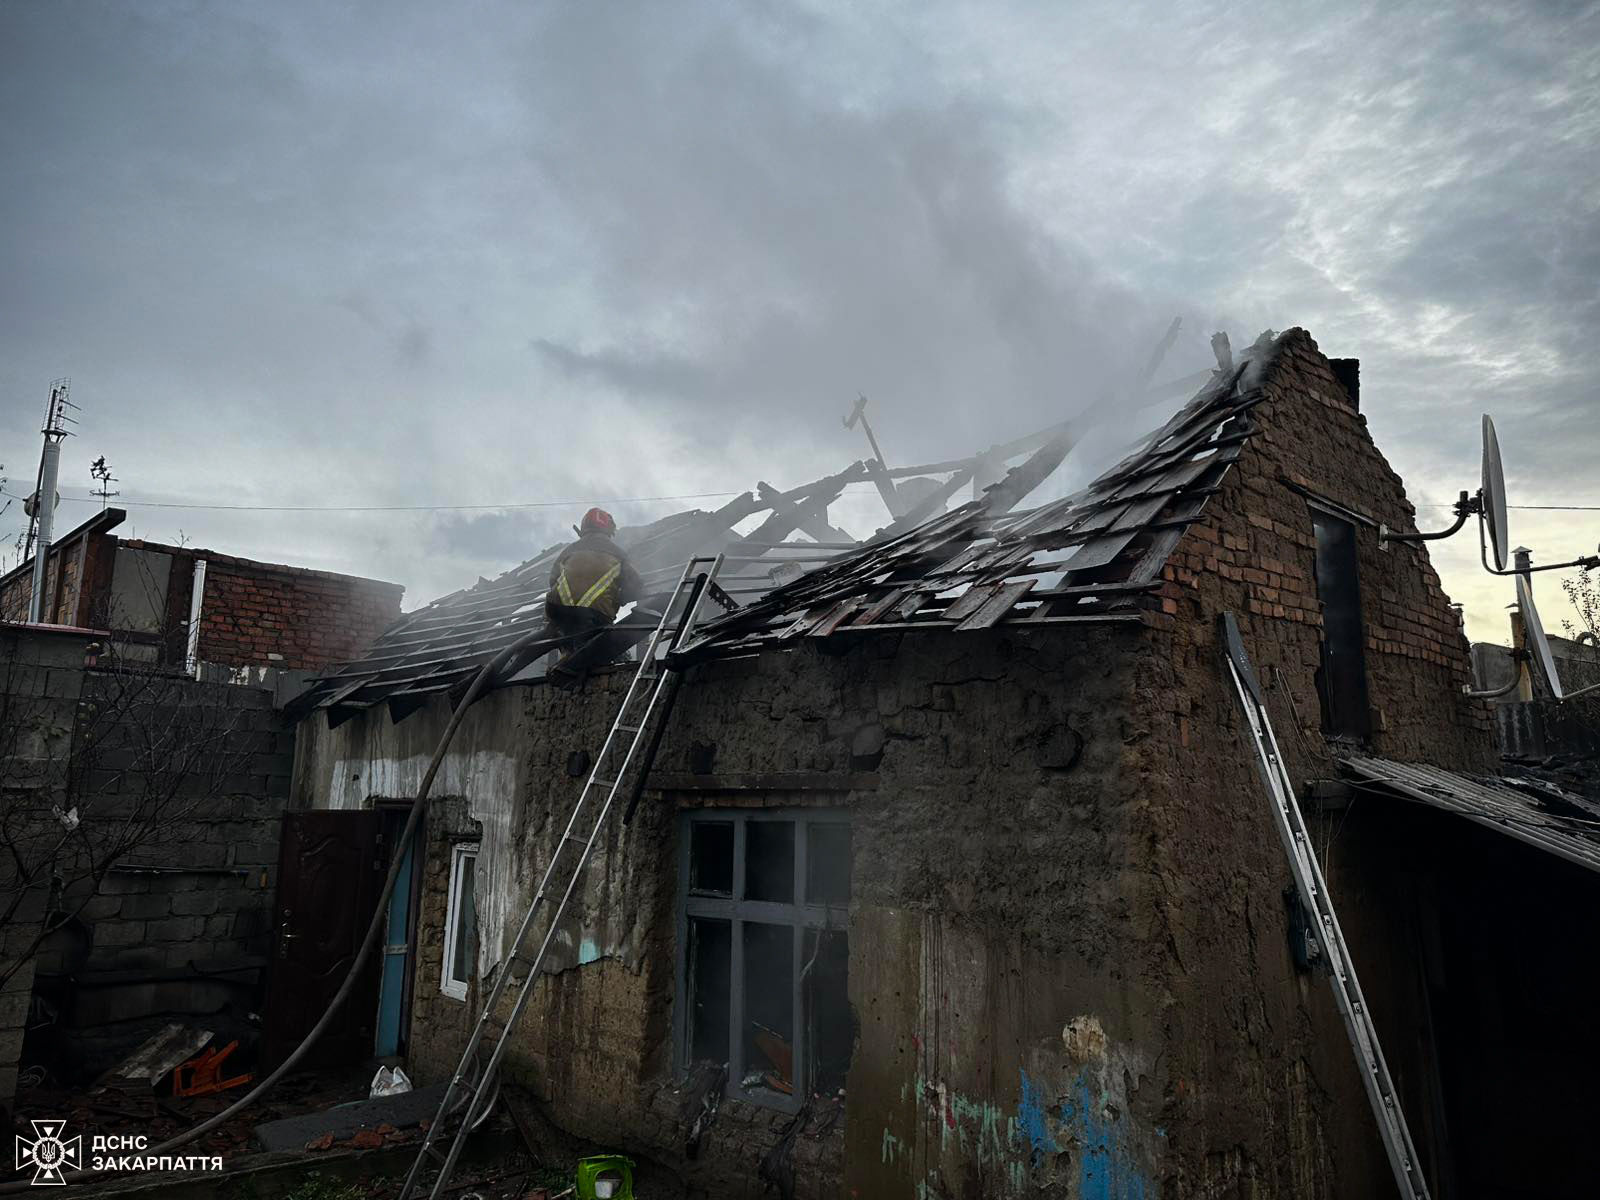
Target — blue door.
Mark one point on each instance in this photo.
(392, 999)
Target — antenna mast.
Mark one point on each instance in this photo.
(43, 509)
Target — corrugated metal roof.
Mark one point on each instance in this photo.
(1529, 810)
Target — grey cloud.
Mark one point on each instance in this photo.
(379, 254)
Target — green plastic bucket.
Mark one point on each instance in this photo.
(605, 1177)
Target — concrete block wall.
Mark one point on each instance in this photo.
(41, 676)
(203, 891)
(182, 923)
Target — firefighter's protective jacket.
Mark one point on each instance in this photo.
(594, 573)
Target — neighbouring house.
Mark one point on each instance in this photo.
(955, 875)
(178, 605)
(144, 770)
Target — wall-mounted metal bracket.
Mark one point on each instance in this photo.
(1466, 505)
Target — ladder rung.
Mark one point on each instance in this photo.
(605, 783)
(630, 728)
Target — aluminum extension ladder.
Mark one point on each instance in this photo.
(477, 1087)
(1314, 895)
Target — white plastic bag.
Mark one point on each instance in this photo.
(389, 1083)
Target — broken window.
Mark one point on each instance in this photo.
(1342, 675)
(461, 923)
(765, 953)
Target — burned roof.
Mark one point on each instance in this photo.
(1087, 558)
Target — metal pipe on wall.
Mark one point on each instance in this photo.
(197, 590)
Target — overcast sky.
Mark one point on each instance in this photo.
(482, 253)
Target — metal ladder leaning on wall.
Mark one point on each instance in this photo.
(475, 1087)
(1314, 895)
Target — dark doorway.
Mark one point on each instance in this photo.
(330, 872)
(1342, 676)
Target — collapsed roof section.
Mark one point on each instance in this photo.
(441, 646)
(1088, 557)
(1084, 558)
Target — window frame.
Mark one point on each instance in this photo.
(801, 916)
(463, 857)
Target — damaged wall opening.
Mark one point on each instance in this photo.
(1342, 677)
(765, 951)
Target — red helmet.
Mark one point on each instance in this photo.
(598, 520)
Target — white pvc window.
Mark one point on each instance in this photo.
(461, 924)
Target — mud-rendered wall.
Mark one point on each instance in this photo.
(1265, 1096)
(1006, 959)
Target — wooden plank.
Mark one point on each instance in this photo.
(835, 618)
(880, 606)
(915, 598)
(997, 605)
(969, 601)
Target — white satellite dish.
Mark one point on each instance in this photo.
(30, 506)
(1538, 643)
(1493, 496)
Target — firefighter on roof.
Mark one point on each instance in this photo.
(591, 579)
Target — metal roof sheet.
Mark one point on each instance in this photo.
(1529, 810)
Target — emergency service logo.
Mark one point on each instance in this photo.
(48, 1153)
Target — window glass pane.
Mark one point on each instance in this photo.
(710, 981)
(769, 1006)
(828, 864)
(769, 861)
(711, 857)
(830, 1029)
(466, 921)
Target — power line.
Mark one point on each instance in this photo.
(394, 507)
(354, 508)
(1531, 507)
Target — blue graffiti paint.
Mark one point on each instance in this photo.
(1107, 1169)
(588, 952)
(1033, 1123)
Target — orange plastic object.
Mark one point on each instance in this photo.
(202, 1075)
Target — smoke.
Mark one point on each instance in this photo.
(766, 246)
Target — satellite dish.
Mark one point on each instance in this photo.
(30, 506)
(1532, 627)
(1494, 497)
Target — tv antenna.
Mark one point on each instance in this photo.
(100, 471)
(1489, 506)
(42, 506)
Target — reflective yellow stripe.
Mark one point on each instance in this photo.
(563, 592)
(600, 586)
